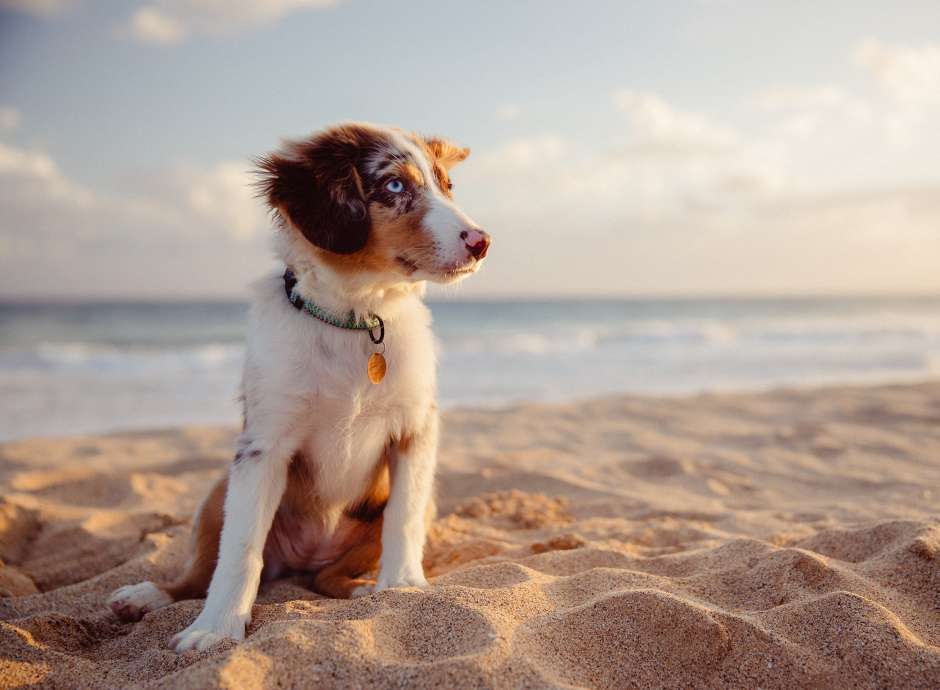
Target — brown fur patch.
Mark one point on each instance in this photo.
(340, 578)
(404, 443)
(409, 171)
(445, 152)
(301, 486)
(443, 155)
(316, 185)
(393, 234)
(372, 503)
(207, 532)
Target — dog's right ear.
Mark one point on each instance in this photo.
(315, 186)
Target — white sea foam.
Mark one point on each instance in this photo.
(159, 365)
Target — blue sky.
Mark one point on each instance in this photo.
(708, 146)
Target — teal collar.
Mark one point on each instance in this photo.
(350, 322)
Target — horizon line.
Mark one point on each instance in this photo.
(47, 300)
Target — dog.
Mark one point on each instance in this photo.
(333, 470)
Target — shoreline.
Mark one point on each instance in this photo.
(876, 382)
(780, 539)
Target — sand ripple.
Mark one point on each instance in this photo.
(778, 541)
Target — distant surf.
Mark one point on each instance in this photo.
(96, 367)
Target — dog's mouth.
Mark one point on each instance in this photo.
(407, 264)
(444, 274)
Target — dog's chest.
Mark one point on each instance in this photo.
(352, 421)
(350, 436)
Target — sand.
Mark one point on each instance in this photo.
(787, 539)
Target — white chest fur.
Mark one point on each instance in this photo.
(307, 381)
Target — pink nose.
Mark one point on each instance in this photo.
(477, 242)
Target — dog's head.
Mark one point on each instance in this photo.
(377, 200)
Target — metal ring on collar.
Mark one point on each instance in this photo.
(381, 327)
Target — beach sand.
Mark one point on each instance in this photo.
(785, 539)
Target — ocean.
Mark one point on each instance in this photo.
(98, 367)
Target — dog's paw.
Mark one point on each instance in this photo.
(131, 602)
(200, 636)
(362, 591)
(196, 639)
(405, 578)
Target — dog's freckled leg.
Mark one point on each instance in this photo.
(254, 492)
(246, 449)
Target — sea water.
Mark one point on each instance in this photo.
(98, 366)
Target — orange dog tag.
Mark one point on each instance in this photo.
(377, 367)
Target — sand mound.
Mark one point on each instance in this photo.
(781, 540)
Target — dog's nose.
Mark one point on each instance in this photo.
(477, 242)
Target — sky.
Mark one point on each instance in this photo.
(673, 148)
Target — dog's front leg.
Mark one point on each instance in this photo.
(404, 528)
(256, 484)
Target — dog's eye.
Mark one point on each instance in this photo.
(450, 185)
(395, 186)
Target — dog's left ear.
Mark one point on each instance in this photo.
(446, 153)
(315, 186)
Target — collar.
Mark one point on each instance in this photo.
(349, 322)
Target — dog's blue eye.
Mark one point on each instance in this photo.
(395, 186)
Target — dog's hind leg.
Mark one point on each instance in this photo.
(341, 579)
(131, 602)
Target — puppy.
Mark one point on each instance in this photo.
(333, 470)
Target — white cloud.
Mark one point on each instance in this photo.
(9, 118)
(152, 26)
(897, 116)
(680, 203)
(524, 153)
(33, 176)
(737, 222)
(784, 98)
(909, 74)
(805, 111)
(508, 112)
(170, 21)
(671, 162)
(39, 8)
(224, 193)
(657, 127)
(165, 240)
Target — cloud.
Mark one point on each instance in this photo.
(507, 112)
(656, 127)
(187, 232)
(33, 176)
(9, 118)
(224, 194)
(908, 74)
(897, 115)
(723, 224)
(788, 98)
(805, 111)
(152, 26)
(171, 21)
(39, 8)
(525, 153)
(671, 163)
(681, 203)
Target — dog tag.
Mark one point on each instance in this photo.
(377, 367)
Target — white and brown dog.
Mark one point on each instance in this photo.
(332, 473)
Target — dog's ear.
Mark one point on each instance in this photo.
(446, 153)
(315, 186)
